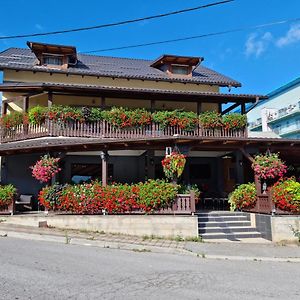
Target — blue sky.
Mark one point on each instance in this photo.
(261, 59)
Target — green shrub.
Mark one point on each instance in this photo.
(244, 196)
(13, 119)
(155, 194)
(37, 115)
(210, 119)
(234, 121)
(286, 194)
(183, 119)
(7, 194)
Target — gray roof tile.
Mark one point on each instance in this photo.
(24, 59)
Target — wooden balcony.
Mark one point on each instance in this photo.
(104, 130)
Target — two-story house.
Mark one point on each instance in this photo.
(46, 75)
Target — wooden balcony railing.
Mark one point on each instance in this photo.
(103, 129)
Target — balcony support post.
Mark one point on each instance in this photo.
(199, 107)
(103, 102)
(25, 104)
(50, 99)
(243, 108)
(104, 159)
(4, 108)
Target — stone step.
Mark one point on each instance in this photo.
(221, 214)
(244, 229)
(230, 236)
(224, 224)
(222, 218)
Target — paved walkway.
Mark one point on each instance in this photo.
(232, 251)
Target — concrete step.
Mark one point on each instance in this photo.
(230, 236)
(224, 224)
(221, 213)
(244, 229)
(223, 218)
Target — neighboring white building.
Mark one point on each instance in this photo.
(280, 113)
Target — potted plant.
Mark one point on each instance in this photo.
(210, 120)
(7, 197)
(173, 165)
(234, 121)
(45, 168)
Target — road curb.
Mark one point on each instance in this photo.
(137, 247)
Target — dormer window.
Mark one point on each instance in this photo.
(54, 56)
(175, 65)
(52, 60)
(180, 70)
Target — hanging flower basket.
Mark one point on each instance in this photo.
(269, 166)
(45, 168)
(173, 165)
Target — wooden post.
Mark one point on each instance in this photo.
(25, 104)
(50, 99)
(193, 202)
(104, 158)
(220, 108)
(199, 107)
(152, 105)
(243, 108)
(4, 108)
(103, 102)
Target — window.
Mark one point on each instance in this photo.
(180, 70)
(88, 172)
(52, 60)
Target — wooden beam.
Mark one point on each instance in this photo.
(230, 108)
(247, 155)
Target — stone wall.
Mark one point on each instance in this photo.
(158, 225)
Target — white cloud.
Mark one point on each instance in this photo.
(291, 37)
(256, 45)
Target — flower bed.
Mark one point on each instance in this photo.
(7, 195)
(286, 195)
(92, 198)
(244, 196)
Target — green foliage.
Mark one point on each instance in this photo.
(186, 189)
(183, 119)
(234, 121)
(12, 120)
(7, 194)
(125, 118)
(244, 196)
(37, 114)
(286, 194)
(155, 194)
(210, 119)
(95, 115)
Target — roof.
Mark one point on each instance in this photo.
(130, 92)
(157, 143)
(24, 59)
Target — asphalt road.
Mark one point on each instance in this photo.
(42, 270)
